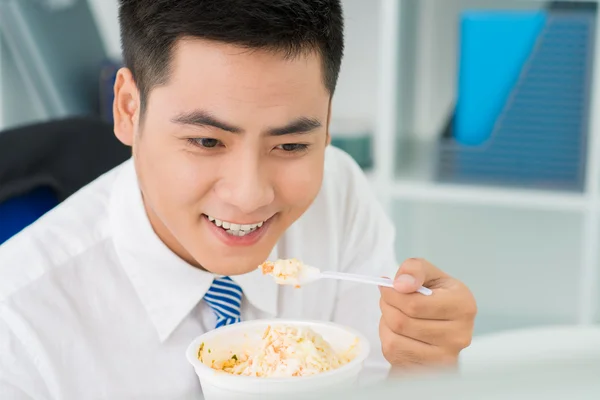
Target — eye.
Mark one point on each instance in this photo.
(207, 143)
(293, 147)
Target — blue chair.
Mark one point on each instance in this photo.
(21, 211)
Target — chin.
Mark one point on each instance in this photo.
(233, 265)
(229, 270)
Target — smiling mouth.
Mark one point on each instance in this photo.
(234, 229)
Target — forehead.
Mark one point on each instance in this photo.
(216, 74)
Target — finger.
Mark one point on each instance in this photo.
(404, 351)
(449, 334)
(417, 272)
(443, 304)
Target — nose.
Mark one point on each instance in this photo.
(245, 185)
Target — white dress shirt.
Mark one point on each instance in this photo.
(94, 306)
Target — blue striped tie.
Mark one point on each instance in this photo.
(225, 298)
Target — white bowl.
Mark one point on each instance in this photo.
(232, 339)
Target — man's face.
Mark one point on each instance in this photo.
(230, 151)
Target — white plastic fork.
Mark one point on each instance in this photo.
(310, 274)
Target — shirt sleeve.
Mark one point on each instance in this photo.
(19, 378)
(368, 248)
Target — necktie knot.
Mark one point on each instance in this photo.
(225, 299)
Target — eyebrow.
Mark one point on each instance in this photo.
(203, 119)
(300, 125)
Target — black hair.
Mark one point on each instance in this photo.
(151, 28)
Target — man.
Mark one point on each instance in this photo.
(226, 105)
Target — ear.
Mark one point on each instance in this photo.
(329, 121)
(126, 106)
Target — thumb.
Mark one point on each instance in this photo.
(414, 273)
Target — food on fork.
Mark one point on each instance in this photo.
(285, 272)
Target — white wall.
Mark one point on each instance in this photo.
(522, 265)
(106, 14)
(356, 94)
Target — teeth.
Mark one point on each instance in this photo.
(235, 229)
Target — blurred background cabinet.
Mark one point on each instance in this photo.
(513, 212)
(489, 165)
(514, 215)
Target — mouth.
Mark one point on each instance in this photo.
(235, 229)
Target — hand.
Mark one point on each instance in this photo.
(425, 331)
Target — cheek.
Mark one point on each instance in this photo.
(298, 183)
(173, 180)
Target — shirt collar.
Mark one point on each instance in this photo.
(168, 287)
